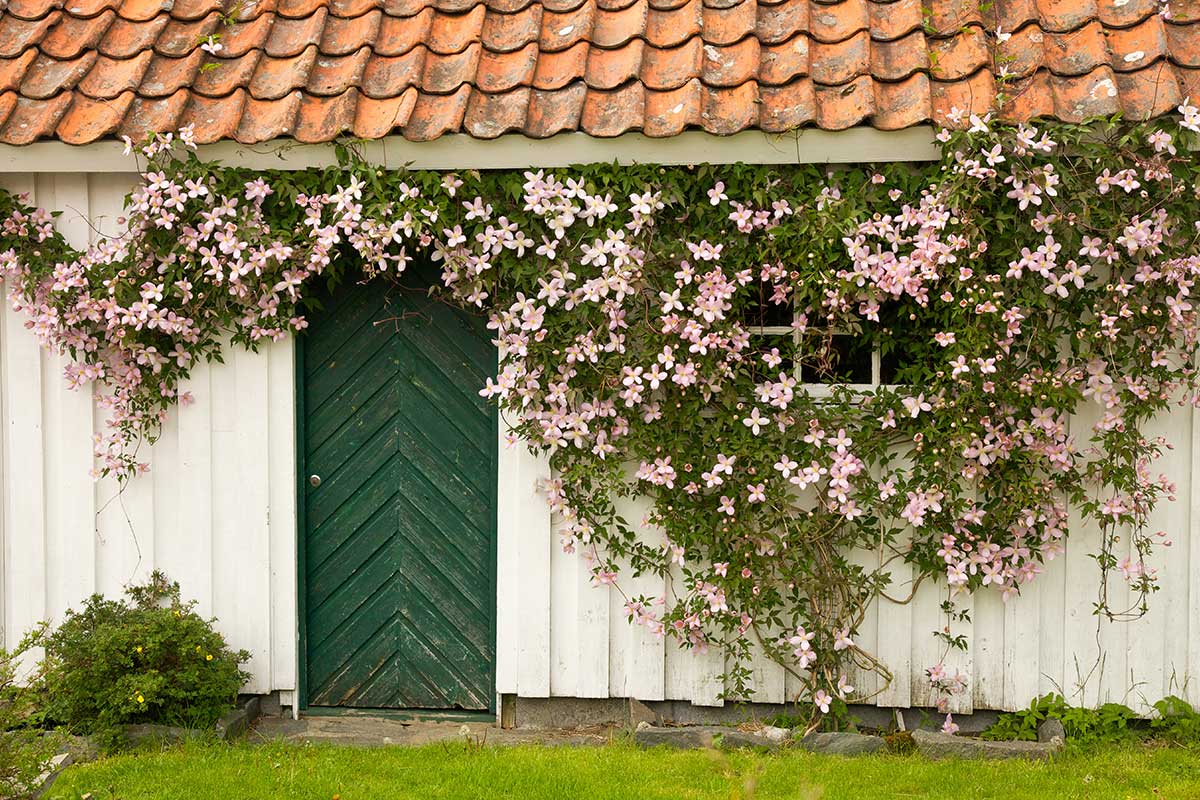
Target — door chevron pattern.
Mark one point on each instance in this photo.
(400, 528)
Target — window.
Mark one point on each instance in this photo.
(818, 359)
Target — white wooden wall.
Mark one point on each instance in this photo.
(217, 513)
(560, 637)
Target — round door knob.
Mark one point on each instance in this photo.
(315, 480)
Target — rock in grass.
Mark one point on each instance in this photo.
(699, 736)
(843, 744)
(941, 745)
(1051, 729)
(689, 738)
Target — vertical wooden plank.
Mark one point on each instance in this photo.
(637, 658)
(523, 547)
(188, 554)
(894, 647)
(1191, 555)
(927, 649)
(592, 603)
(565, 630)
(70, 489)
(987, 655)
(125, 519)
(708, 670)
(865, 682)
(1050, 623)
(24, 498)
(1022, 656)
(241, 545)
(769, 678)
(508, 608)
(1082, 655)
(281, 419)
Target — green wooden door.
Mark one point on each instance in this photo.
(399, 529)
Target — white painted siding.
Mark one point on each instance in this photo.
(217, 513)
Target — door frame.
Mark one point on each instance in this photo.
(301, 699)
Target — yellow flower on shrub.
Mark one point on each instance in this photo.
(141, 699)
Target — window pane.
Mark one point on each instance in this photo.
(764, 312)
(839, 358)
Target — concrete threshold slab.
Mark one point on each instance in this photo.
(359, 730)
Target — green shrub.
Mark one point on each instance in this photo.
(25, 750)
(1176, 721)
(148, 659)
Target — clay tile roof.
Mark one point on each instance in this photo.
(313, 70)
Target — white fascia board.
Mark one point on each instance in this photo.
(514, 151)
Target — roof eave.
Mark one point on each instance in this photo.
(514, 151)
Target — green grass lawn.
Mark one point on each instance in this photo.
(240, 772)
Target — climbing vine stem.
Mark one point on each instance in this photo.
(763, 387)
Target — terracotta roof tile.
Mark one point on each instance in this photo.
(398, 35)
(181, 37)
(552, 112)
(836, 23)
(608, 69)
(669, 113)
(732, 65)
(894, 20)
(1121, 13)
(289, 37)
(335, 74)
(242, 37)
(959, 56)
(110, 77)
(502, 33)
(672, 28)
(12, 70)
(47, 77)
(434, 115)
(8, 101)
(125, 39)
(560, 31)
(1139, 46)
(901, 104)
(213, 118)
(16, 35)
(317, 69)
(614, 28)
(151, 115)
(389, 77)
(166, 76)
(32, 119)
(453, 33)
(490, 115)
(220, 76)
(899, 58)
(840, 62)
(1184, 44)
(374, 119)
(32, 9)
(87, 119)
(322, 119)
(671, 68)
(276, 77)
(555, 70)
(263, 120)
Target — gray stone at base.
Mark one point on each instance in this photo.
(687, 738)
(942, 745)
(843, 744)
(1051, 728)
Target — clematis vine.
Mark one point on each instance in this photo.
(702, 337)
